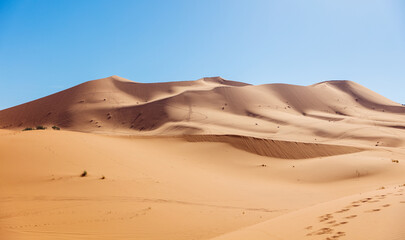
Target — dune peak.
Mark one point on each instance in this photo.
(214, 79)
(336, 82)
(222, 81)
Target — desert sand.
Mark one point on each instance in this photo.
(206, 159)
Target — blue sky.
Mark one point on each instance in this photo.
(47, 45)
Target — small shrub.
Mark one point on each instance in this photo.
(103, 177)
(55, 128)
(84, 173)
(28, 129)
(394, 161)
(40, 127)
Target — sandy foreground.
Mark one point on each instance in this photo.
(325, 161)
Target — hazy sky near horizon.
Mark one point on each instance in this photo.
(47, 46)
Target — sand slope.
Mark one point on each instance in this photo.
(370, 215)
(204, 159)
(275, 148)
(185, 190)
(88, 106)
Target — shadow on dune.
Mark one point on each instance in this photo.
(276, 148)
(348, 88)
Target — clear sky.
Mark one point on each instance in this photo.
(50, 45)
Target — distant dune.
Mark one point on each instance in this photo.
(114, 105)
(204, 159)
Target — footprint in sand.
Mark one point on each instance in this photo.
(338, 224)
(381, 196)
(325, 217)
(366, 199)
(374, 210)
(336, 236)
(342, 210)
(321, 231)
(329, 221)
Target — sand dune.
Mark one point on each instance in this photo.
(204, 159)
(116, 105)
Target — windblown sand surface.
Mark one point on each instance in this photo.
(205, 159)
